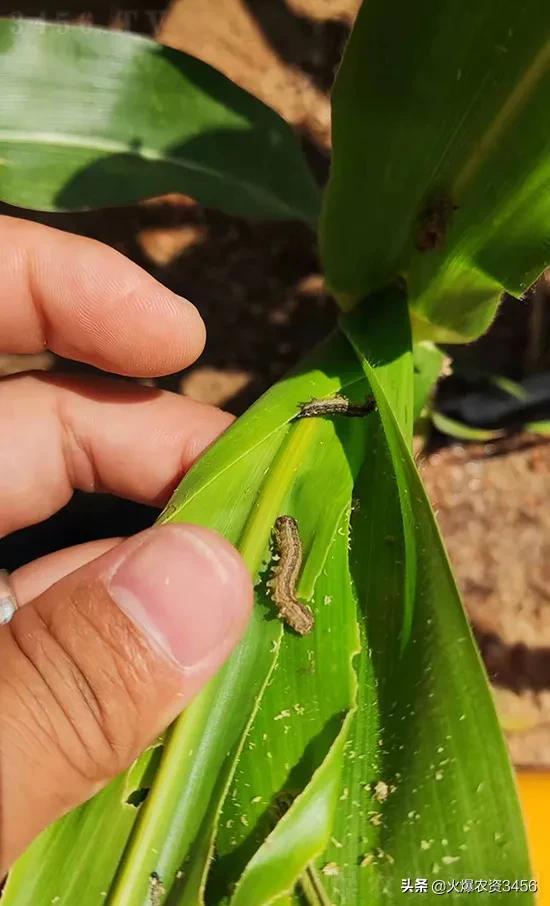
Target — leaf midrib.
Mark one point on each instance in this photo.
(54, 139)
(231, 462)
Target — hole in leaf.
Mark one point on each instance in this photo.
(138, 796)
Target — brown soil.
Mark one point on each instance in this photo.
(490, 502)
(261, 293)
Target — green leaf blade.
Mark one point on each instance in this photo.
(426, 763)
(461, 431)
(91, 118)
(441, 168)
(291, 759)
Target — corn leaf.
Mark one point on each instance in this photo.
(440, 170)
(428, 365)
(507, 385)
(91, 118)
(315, 767)
(437, 800)
(540, 427)
(324, 769)
(461, 431)
(257, 471)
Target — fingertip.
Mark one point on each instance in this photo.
(164, 332)
(188, 590)
(95, 667)
(87, 301)
(139, 327)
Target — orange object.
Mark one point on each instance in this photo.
(534, 791)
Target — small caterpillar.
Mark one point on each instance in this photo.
(285, 575)
(336, 405)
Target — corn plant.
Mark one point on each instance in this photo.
(331, 767)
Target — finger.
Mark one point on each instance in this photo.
(34, 578)
(85, 301)
(94, 668)
(104, 435)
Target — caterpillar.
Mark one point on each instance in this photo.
(285, 576)
(336, 405)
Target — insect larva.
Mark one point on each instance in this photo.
(336, 405)
(285, 576)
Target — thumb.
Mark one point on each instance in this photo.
(93, 669)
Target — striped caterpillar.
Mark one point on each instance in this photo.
(336, 405)
(285, 576)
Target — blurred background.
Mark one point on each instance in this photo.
(261, 293)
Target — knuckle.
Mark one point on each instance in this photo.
(83, 683)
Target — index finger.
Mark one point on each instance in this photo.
(85, 301)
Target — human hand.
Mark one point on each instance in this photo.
(112, 638)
